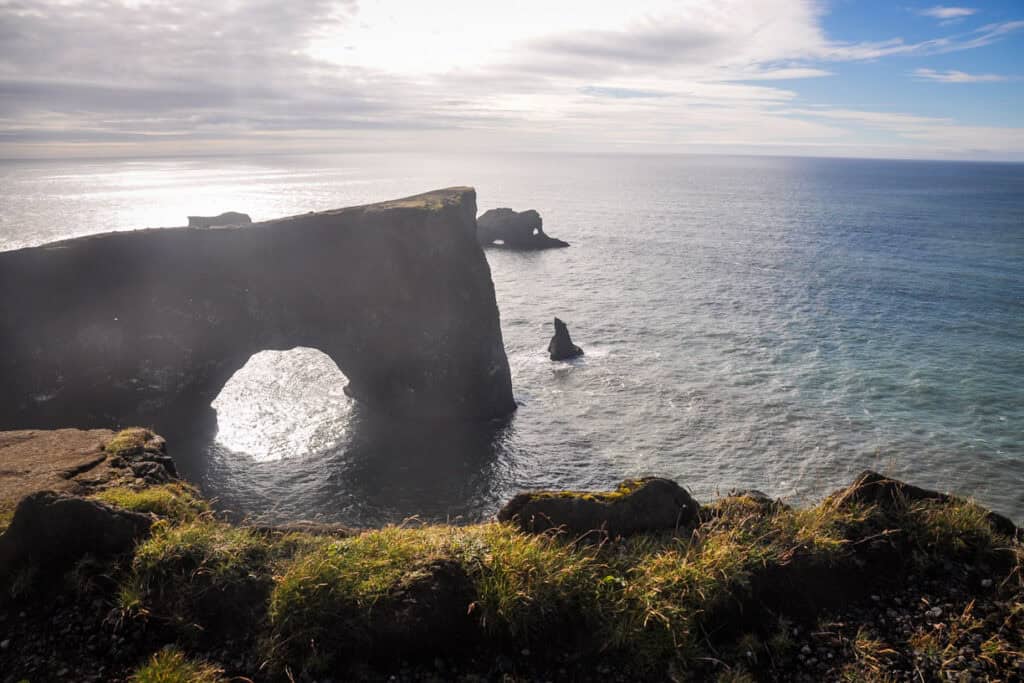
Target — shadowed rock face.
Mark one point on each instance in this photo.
(51, 531)
(128, 327)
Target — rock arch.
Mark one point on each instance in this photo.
(126, 327)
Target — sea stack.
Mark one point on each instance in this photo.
(514, 230)
(223, 220)
(561, 346)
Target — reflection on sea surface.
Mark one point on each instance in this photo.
(277, 451)
(383, 470)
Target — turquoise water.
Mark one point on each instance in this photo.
(748, 322)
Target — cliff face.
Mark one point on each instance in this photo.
(125, 327)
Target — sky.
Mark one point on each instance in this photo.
(886, 79)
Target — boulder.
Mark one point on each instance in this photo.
(561, 347)
(514, 230)
(872, 488)
(146, 326)
(225, 219)
(50, 531)
(635, 506)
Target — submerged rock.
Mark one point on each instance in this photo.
(636, 506)
(146, 327)
(225, 219)
(514, 230)
(561, 347)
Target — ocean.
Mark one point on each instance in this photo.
(748, 322)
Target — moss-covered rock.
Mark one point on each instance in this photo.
(635, 506)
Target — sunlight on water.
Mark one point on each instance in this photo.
(748, 322)
(283, 404)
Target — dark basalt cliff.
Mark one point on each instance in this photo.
(127, 327)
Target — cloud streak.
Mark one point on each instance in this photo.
(948, 13)
(954, 76)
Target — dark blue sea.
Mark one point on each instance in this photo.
(752, 322)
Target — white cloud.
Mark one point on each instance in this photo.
(947, 13)
(653, 74)
(954, 76)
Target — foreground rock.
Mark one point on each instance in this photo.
(637, 505)
(514, 230)
(78, 462)
(132, 327)
(881, 581)
(47, 521)
(50, 531)
(224, 219)
(561, 347)
(872, 488)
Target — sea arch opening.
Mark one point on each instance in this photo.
(283, 404)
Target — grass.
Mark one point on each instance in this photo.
(645, 600)
(171, 666)
(957, 529)
(5, 519)
(175, 500)
(128, 441)
(647, 597)
(199, 575)
(871, 653)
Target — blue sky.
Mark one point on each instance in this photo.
(805, 77)
(889, 84)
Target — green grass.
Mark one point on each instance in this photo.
(645, 600)
(646, 597)
(128, 441)
(621, 491)
(200, 574)
(955, 529)
(175, 500)
(171, 666)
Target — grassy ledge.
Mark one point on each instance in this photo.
(850, 589)
(649, 603)
(175, 500)
(128, 441)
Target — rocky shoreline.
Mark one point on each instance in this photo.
(143, 581)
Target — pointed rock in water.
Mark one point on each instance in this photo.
(561, 347)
